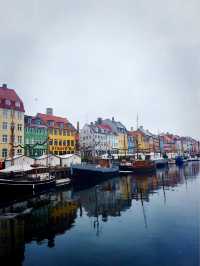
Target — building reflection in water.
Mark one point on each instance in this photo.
(55, 213)
(52, 214)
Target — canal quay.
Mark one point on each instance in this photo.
(140, 220)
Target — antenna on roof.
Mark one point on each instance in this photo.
(137, 121)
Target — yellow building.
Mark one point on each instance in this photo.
(143, 140)
(61, 134)
(122, 141)
(11, 123)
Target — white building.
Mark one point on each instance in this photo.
(98, 139)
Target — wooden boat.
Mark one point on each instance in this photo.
(26, 186)
(138, 166)
(93, 172)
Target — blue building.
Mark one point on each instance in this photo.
(131, 143)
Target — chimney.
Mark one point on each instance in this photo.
(4, 86)
(132, 129)
(78, 127)
(99, 120)
(49, 111)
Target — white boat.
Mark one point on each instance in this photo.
(63, 182)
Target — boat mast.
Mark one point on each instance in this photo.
(137, 127)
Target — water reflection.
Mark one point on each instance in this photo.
(54, 214)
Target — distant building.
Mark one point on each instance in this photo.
(11, 123)
(97, 139)
(131, 143)
(144, 140)
(120, 130)
(62, 134)
(168, 143)
(35, 136)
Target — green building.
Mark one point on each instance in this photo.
(35, 136)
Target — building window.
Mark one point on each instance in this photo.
(64, 142)
(60, 142)
(55, 132)
(72, 142)
(5, 114)
(51, 123)
(19, 139)
(55, 142)
(19, 127)
(68, 142)
(4, 153)
(19, 115)
(62, 125)
(50, 142)
(4, 138)
(5, 125)
(8, 102)
(50, 131)
(17, 104)
(19, 151)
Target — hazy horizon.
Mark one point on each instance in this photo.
(106, 58)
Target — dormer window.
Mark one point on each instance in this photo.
(17, 104)
(8, 102)
(61, 125)
(51, 123)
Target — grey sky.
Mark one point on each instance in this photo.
(106, 58)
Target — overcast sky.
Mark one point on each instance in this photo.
(89, 58)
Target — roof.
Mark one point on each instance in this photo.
(44, 156)
(10, 94)
(17, 157)
(17, 168)
(30, 122)
(100, 128)
(115, 125)
(105, 127)
(66, 156)
(56, 119)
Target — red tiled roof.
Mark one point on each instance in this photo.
(103, 126)
(54, 118)
(10, 94)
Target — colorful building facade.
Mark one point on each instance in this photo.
(62, 135)
(35, 136)
(122, 137)
(11, 123)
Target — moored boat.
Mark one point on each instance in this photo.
(26, 186)
(138, 166)
(88, 173)
(62, 182)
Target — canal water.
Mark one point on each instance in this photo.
(129, 220)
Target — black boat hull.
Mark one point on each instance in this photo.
(86, 176)
(125, 168)
(24, 187)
